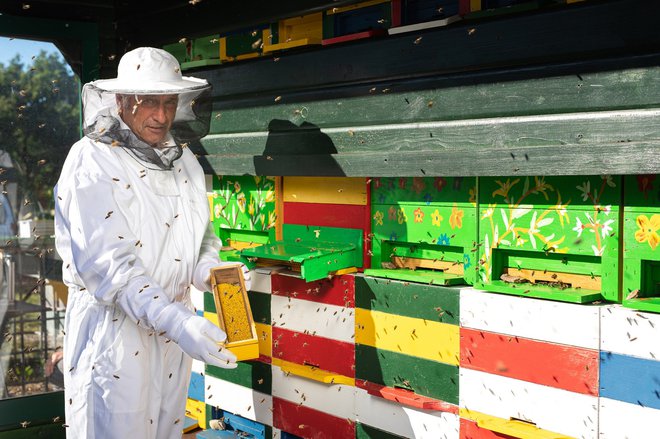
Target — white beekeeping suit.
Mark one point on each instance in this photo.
(132, 229)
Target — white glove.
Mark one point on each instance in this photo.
(199, 338)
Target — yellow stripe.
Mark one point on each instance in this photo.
(328, 190)
(213, 317)
(265, 336)
(352, 7)
(313, 373)
(510, 427)
(475, 5)
(196, 410)
(417, 337)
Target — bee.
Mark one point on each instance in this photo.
(471, 31)
(278, 98)
(418, 40)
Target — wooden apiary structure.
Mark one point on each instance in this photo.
(234, 312)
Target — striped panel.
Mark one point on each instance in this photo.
(260, 281)
(265, 337)
(416, 337)
(531, 318)
(630, 379)
(327, 190)
(565, 367)
(549, 408)
(330, 321)
(479, 425)
(629, 332)
(321, 352)
(424, 377)
(348, 216)
(305, 422)
(340, 290)
(196, 387)
(434, 303)
(260, 306)
(252, 374)
(620, 419)
(240, 400)
(404, 421)
(334, 399)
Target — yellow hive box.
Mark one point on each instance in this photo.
(234, 312)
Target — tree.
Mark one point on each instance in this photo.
(39, 121)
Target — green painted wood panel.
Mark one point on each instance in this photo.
(438, 304)
(642, 192)
(364, 431)
(36, 409)
(424, 377)
(251, 374)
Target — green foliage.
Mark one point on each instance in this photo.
(39, 121)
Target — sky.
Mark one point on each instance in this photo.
(26, 48)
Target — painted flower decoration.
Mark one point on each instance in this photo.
(585, 188)
(418, 184)
(237, 187)
(579, 227)
(241, 201)
(393, 236)
(419, 215)
(378, 218)
(473, 195)
(443, 239)
(428, 198)
(439, 183)
(648, 230)
(645, 184)
(217, 209)
(401, 216)
(436, 218)
(466, 261)
(391, 213)
(456, 218)
(402, 182)
(505, 187)
(376, 182)
(251, 207)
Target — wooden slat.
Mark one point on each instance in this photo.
(555, 322)
(549, 408)
(415, 337)
(424, 377)
(265, 337)
(339, 291)
(240, 400)
(320, 352)
(505, 428)
(325, 191)
(608, 158)
(437, 304)
(328, 215)
(404, 421)
(630, 379)
(470, 430)
(620, 419)
(307, 423)
(329, 321)
(363, 431)
(628, 332)
(564, 367)
(406, 397)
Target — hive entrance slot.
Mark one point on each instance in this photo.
(449, 267)
(552, 278)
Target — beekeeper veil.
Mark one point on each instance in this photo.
(142, 72)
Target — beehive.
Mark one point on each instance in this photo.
(234, 313)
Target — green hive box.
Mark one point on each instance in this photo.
(550, 237)
(205, 51)
(242, 45)
(641, 252)
(424, 229)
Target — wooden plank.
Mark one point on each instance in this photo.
(265, 337)
(196, 386)
(555, 322)
(240, 400)
(328, 215)
(306, 423)
(486, 426)
(620, 419)
(406, 397)
(429, 277)
(336, 190)
(549, 408)
(239, 425)
(630, 379)
(313, 350)
(437, 304)
(415, 337)
(606, 158)
(470, 430)
(336, 400)
(424, 377)
(564, 367)
(628, 332)
(304, 316)
(339, 291)
(404, 421)
(251, 374)
(415, 263)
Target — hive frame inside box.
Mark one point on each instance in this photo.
(247, 349)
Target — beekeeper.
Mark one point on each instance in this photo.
(132, 229)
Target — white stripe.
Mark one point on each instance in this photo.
(556, 322)
(404, 421)
(260, 282)
(620, 419)
(239, 400)
(334, 399)
(552, 409)
(629, 332)
(330, 321)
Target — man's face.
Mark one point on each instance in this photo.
(148, 116)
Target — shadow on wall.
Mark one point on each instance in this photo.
(297, 150)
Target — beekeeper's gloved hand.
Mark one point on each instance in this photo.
(200, 339)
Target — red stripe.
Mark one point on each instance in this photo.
(406, 397)
(396, 13)
(349, 216)
(565, 367)
(355, 36)
(470, 430)
(340, 290)
(309, 423)
(324, 353)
